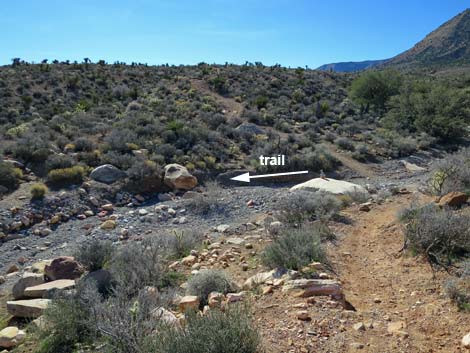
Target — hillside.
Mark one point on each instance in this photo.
(447, 45)
(351, 66)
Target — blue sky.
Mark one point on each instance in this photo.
(289, 32)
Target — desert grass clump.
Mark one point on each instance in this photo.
(66, 176)
(180, 243)
(295, 248)
(38, 191)
(206, 282)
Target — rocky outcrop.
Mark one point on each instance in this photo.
(31, 308)
(178, 177)
(64, 267)
(338, 187)
(107, 174)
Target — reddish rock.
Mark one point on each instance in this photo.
(453, 199)
(64, 267)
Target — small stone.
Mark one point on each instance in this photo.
(108, 225)
(2, 279)
(248, 246)
(11, 336)
(12, 269)
(303, 315)
(377, 300)
(143, 212)
(267, 290)
(359, 326)
(188, 302)
(107, 207)
(466, 341)
(357, 345)
(189, 260)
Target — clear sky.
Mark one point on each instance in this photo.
(289, 32)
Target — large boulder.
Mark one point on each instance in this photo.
(11, 336)
(28, 280)
(453, 199)
(178, 177)
(64, 267)
(31, 308)
(338, 187)
(43, 290)
(107, 174)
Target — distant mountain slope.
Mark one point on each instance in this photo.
(350, 66)
(448, 44)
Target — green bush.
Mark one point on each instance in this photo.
(9, 176)
(295, 248)
(207, 281)
(231, 331)
(374, 88)
(66, 176)
(38, 191)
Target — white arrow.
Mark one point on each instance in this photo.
(246, 177)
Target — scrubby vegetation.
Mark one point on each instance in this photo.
(9, 177)
(126, 318)
(60, 116)
(451, 174)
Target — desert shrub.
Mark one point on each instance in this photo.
(459, 292)
(58, 161)
(9, 176)
(83, 144)
(209, 202)
(441, 235)
(181, 242)
(294, 248)
(303, 205)
(66, 176)
(345, 144)
(452, 173)
(38, 191)
(145, 176)
(357, 196)
(94, 255)
(231, 331)
(362, 153)
(207, 281)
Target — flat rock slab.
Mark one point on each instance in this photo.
(309, 287)
(41, 290)
(28, 280)
(338, 187)
(31, 308)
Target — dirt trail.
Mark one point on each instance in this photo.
(232, 107)
(386, 287)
